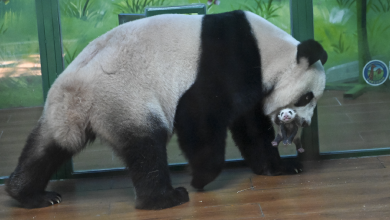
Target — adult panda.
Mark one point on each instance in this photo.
(200, 75)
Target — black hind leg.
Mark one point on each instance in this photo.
(146, 158)
(39, 160)
(253, 134)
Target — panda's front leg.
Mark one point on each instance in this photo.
(253, 133)
(204, 147)
(202, 136)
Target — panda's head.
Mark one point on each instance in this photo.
(298, 82)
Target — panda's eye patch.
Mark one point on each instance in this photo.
(290, 112)
(281, 114)
(305, 99)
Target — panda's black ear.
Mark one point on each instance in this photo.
(313, 51)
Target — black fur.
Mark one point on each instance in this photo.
(313, 51)
(304, 99)
(146, 158)
(253, 133)
(144, 152)
(227, 87)
(28, 182)
(228, 83)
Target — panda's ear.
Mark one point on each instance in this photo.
(313, 51)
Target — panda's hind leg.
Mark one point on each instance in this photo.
(143, 149)
(40, 158)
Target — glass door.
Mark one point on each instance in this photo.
(21, 94)
(354, 112)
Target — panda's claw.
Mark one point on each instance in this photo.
(291, 167)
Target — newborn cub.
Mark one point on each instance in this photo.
(288, 129)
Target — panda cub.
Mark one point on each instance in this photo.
(288, 129)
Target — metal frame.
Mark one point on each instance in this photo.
(302, 28)
(185, 9)
(50, 44)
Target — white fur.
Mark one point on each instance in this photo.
(279, 67)
(136, 69)
(284, 112)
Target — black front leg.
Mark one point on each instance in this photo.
(253, 134)
(201, 127)
(202, 140)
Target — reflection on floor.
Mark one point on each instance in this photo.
(362, 123)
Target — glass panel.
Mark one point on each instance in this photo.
(83, 21)
(20, 79)
(352, 113)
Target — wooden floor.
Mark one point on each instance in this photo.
(333, 189)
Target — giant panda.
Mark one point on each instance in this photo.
(199, 75)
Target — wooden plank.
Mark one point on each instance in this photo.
(352, 198)
(385, 161)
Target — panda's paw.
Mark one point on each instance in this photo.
(291, 167)
(201, 179)
(165, 200)
(39, 200)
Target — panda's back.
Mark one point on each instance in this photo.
(142, 53)
(153, 59)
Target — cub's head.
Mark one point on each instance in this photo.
(298, 82)
(286, 115)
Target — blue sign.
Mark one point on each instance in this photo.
(375, 72)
